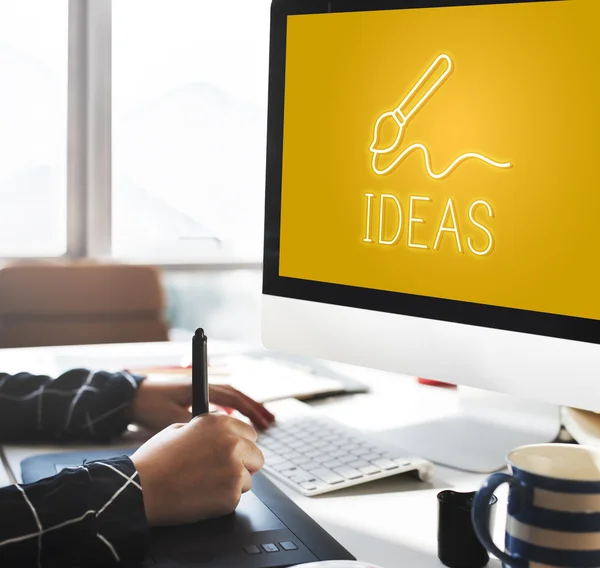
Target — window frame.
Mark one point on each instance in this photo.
(89, 147)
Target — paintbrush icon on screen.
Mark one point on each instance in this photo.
(397, 120)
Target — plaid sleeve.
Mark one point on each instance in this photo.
(92, 515)
(78, 405)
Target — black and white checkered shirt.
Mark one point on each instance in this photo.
(89, 516)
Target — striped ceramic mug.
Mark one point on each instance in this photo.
(553, 507)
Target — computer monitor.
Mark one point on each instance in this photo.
(433, 200)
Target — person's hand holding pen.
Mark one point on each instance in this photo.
(199, 468)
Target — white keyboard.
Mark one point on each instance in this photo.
(314, 454)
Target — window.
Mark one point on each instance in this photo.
(33, 127)
(224, 302)
(189, 101)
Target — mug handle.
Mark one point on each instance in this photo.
(480, 516)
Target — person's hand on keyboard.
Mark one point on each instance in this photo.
(159, 403)
(198, 470)
(228, 397)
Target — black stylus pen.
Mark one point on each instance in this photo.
(199, 374)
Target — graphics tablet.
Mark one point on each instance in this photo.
(266, 530)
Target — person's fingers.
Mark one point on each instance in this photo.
(248, 408)
(243, 430)
(182, 413)
(182, 391)
(259, 409)
(258, 414)
(252, 457)
(266, 413)
(223, 395)
(234, 425)
(252, 410)
(246, 481)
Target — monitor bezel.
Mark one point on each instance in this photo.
(474, 314)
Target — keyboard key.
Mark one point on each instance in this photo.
(304, 437)
(359, 451)
(288, 545)
(348, 472)
(291, 456)
(385, 464)
(270, 547)
(330, 437)
(343, 437)
(370, 457)
(252, 549)
(357, 463)
(323, 458)
(296, 444)
(329, 449)
(339, 453)
(327, 476)
(301, 477)
(395, 458)
(302, 460)
(274, 460)
(283, 466)
(308, 486)
(319, 444)
(311, 465)
(369, 469)
(349, 459)
(289, 472)
(330, 464)
(314, 454)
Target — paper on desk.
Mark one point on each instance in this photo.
(260, 379)
(582, 425)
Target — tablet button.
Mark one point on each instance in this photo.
(252, 549)
(288, 545)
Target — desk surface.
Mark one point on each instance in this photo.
(391, 522)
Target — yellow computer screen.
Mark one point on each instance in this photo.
(446, 152)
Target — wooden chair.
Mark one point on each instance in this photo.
(80, 303)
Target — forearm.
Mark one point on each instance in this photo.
(78, 405)
(89, 516)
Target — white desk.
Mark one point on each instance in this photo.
(392, 522)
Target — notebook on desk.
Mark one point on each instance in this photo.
(267, 529)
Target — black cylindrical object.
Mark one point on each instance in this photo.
(458, 545)
(200, 402)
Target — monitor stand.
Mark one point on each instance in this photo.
(480, 435)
